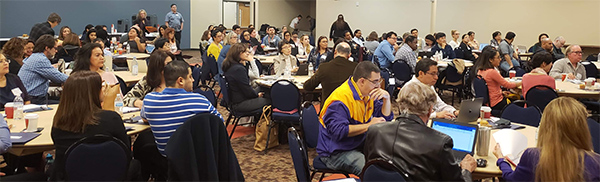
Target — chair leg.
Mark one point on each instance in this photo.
(234, 126)
(322, 176)
(228, 119)
(268, 138)
(312, 175)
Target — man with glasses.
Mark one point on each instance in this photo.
(386, 49)
(346, 116)
(426, 72)
(37, 72)
(571, 65)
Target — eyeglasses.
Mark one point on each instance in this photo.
(376, 82)
(577, 52)
(432, 73)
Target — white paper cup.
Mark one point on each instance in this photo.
(31, 122)
(486, 112)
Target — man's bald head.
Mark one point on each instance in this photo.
(547, 44)
(343, 49)
(559, 41)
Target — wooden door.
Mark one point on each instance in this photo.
(244, 14)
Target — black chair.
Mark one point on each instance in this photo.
(97, 158)
(590, 70)
(285, 102)
(540, 96)
(402, 72)
(310, 125)
(209, 69)
(481, 90)
(259, 65)
(521, 111)
(196, 72)
(207, 92)
(381, 170)
(305, 172)
(594, 128)
(123, 85)
(226, 102)
(452, 76)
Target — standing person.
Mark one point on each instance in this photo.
(496, 39)
(141, 20)
(454, 43)
(312, 24)
(563, 151)
(174, 20)
(338, 28)
(295, 21)
(44, 28)
(472, 42)
(37, 72)
(14, 51)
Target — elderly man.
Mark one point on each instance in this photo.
(426, 72)
(333, 73)
(406, 52)
(570, 65)
(423, 153)
(386, 49)
(347, 114)
(558, 43)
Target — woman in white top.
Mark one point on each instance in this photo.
(473, 43)
(285, 59)
(454, 43)
(304, 48)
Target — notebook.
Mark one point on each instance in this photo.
(463, 135)
(23, 137)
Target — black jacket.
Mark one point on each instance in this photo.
(423, 153)
(200, 151)
(330, 75)
(239, 84)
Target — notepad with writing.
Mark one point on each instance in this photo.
(512, 143)
(23, 137)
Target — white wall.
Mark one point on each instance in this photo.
(202, 14)
(577, 20)
(281, 12)
(230, 14)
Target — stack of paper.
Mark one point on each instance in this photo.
(512, 143)
(130, 109)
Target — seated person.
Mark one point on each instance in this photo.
(426, 72)
(442, 46)
(304, 48)
(386, 49)
(91, 36)
(137, 44)
(230, 39)
(496, 39)
(542, 62)
(251, 41)
(424, 153)
(546, 46)
(334, 73)
(69, 48)
(80, 115)
(320, 53)
(162, 44)
(242, 96)
(429, 42)
(571, 65)
(563, 129)
(557, 45)
(214, 49)
(14, 52)
(287, 37)
(104, 51)
(466, 49)
(486, 67)
(37, 72)
(355, 47)
(407, 52)
(152, 82)
(507, 54)
(9, 82)
(285, 60)
(346, 116)
(167, 110)
(170, 35)
(91, 58)
(271, 39)
(538, 45)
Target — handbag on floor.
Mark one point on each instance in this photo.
(262, 131)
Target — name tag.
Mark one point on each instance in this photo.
(16, 91)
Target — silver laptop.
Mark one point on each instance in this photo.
(469, 110)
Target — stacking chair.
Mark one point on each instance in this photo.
(209, 69)
(590, 70)
(196, 72)
(97, 158)
(305, 172)
(310, 125)
(540, 96)
(381, 170)
(518, 113)
(207, 92)
(123, 85)
(481, 90)
(285, 102)
(452, 76)
(402, 72)
(226, 102)
(594, 127)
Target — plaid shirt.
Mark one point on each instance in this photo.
(40, 29)
(36, 73)
(406, 53)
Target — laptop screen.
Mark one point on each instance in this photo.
(462, 136)
(481, 46)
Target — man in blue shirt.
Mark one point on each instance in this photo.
(169, 109)
(174, 20)
(386, 49)
(271, 38)
(37, 70)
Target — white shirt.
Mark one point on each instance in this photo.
(294, 23)
(439, 105)
(302, 50)
(358, 41)
(454, 44)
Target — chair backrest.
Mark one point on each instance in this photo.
(594, 127)
(224, 90)
(458, 53)
(196, 72)
(299, 156)
(285, 96)
(123, 85)
(590, 70)
(518, 113)
(259, 65)
(207, 92)
(310, 126)
(401, 70)
(481, 89)
(381, 170)
(540, 96)
(452, 74)
(209, 68)
(98, 158)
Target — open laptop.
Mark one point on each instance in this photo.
(481, 46)
(463, 136)
(469, 110)
(302, 69)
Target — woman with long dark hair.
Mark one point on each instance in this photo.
(247, 38)
(338, 28)
(153, 81)
(135, 40)
(243, 97)
(320, 53)
(91, 58)
(487, 67)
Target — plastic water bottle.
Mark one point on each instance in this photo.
(119, 104)
(18, 108)
(128, 49)
(310, 69)
(112, 47)
(288, 72)
(134, 67)
(49, 162)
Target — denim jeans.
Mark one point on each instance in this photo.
(349, 161)
(505, 66)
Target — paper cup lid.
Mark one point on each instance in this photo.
(31, 116)
(9, 104)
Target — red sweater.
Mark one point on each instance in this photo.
(531, 80)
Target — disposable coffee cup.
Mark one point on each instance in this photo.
(9, 110)
(588, 82)
(31, 122)
(486, 112)
(564, 76)
(512, 74)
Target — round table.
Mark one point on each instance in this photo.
(44, 141)
(129, 78)
(265, 59)
(569, 89)
(131, 55)
(267, 81)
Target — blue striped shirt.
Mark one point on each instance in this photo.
(36, 73)
(169, 109)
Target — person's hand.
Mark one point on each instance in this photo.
(55, 65)
(379, 93)
(444, 114)
(456, 112)
(261, 94)
(2, 174)
(295, 69)
(468, 163)
(506, 93)
(396, 46)
(376, 120)
(498, 152)
(137, 39)
(570, 76)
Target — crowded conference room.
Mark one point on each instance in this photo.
(311, 90)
